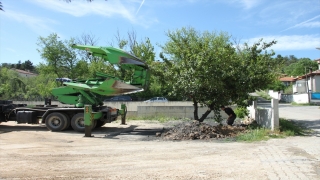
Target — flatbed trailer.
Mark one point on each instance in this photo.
(56, 118)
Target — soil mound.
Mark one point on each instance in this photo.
(198, 130)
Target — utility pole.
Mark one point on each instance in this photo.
(308, 92)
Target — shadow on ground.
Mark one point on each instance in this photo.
(118, 132)
(312, 125)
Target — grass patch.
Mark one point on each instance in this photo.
(289, 128)
(304, 104)
(301, 104)
(251, 135)
(257, 133)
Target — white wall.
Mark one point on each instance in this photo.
(274, 94)
(266, 117)
(300, 98)
(316, 84)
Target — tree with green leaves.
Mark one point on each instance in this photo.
(12, 86)
(60, 57)
(209, 69)
(277, 85)
(300, 67)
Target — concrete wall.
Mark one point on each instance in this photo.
(316, 84)
(274, 94)
(300, 98)
(176, 111)
(182, 109)
(266, 117)
(263, 117)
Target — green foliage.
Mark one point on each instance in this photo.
(300, 67)
(264, 95)
(286, 128)
(289, 128)
(277, 85)
(144, 50)
(288, 90)
(11, 84)
(60, 58)
(27, 65)
(254, 135)
(241, 112)
(206, 67)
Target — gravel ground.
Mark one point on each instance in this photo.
(133, 151)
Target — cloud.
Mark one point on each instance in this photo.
(37, 24)
(140, 7)
(287, 13)
(125, 9)
(245, 4)
(306, 23)
(315, 24)
(293, 42)
(248, 4)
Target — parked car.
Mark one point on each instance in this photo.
(119, 98)
(157, 99)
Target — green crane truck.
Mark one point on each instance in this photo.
(80, 93)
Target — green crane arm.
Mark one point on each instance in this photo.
(123, 59)
(80, 92)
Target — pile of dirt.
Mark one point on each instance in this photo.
(198, 130)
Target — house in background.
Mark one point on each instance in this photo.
(287, 81)
(309, 81)
(301, 85)
(25, 73)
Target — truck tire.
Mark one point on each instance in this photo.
(56, 122)
(77, 122)
(68, 122)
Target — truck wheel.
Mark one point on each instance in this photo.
(68, 122)
(56, 122)
(77, 122)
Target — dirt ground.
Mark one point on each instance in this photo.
(133, 151)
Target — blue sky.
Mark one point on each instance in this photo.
(295, 24)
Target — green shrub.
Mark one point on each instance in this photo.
(241, 112)
(264, 95)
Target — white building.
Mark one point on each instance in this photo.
(25, 73)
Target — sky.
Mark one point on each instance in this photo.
(294, 24)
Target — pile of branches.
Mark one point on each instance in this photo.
(199, 130)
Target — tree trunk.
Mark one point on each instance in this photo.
(195, 112)
(203, 117)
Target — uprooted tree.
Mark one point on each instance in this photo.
(212, 71)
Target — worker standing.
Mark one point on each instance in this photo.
(231, 114)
